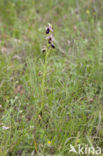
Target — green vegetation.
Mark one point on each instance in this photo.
(46, 105)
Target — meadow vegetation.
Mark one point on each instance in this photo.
(46, 105)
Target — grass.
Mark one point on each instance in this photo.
(45, 107)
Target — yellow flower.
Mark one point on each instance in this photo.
(49, 142)
(87, 12)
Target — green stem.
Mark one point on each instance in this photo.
(44, 78)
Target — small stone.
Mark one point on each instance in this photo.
(5, 128)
